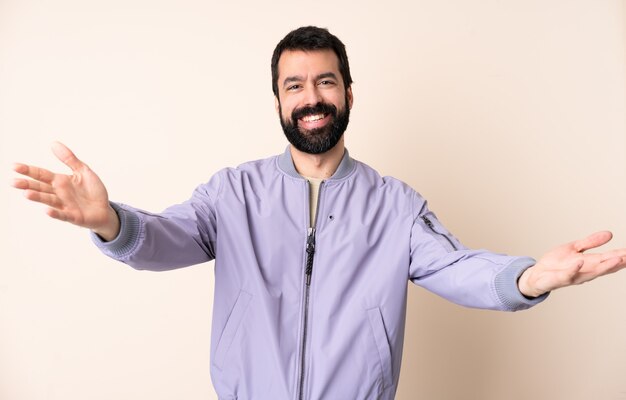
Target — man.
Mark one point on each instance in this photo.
(313, 249)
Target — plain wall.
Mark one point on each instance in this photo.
(507, 115)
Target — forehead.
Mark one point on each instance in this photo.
(303, 63)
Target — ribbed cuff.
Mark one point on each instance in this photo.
(128, 237)
(506, 286)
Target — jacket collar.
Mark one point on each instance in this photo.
(285, 163)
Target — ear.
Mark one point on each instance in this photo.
(349, 97)
(277, 105)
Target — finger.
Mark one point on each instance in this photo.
(66, 155)
(594, 240)
(39, 174)
(45, 198)
(21, 183)
(32, 185)
(56, 214)
(607, 266)
(592, 259)
(619, 253)
(613, 264)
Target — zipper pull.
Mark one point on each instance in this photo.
(310, 250)
(310, 241)
(428, 222)
(430, 225)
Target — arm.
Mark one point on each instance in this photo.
(472, 278)
(478, 278)
(182, 235)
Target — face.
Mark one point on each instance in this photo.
(313, 104)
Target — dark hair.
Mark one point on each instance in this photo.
(309, 38)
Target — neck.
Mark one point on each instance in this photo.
(319, 166)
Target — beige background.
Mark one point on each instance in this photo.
(507, 115)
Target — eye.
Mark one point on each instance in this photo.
(293, 87)
(326, 83)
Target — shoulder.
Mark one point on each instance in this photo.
(391, 189)
(248, 173)
(258, 167)
(367, 174)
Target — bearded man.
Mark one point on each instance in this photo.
(312, 249)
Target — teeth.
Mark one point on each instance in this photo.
(310, 118)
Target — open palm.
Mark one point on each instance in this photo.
(568, 264)
(80, 198)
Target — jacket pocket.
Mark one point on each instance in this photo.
(382, 344)
(230, 330)
(437, 230)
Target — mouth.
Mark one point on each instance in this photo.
(313, 121)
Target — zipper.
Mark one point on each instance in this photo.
(310, 253)
(430, 225)
(308, 272)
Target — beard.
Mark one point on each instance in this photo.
(318, 140)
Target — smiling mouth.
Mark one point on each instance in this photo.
(314, 121)
(313, 118)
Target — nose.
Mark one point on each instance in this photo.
(312, 95)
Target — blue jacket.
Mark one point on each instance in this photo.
(317, 313)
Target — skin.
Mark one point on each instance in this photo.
(80, 198)
(305, 78)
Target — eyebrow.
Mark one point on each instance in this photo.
(299, 78)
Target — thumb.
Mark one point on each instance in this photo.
(66, 155)
(594, 240)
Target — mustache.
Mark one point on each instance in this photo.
(319, 108)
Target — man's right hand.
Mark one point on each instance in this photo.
(80, 198)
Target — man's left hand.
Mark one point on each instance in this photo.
(566, 265)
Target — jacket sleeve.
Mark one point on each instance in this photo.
(471, 278)
(182, 235)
